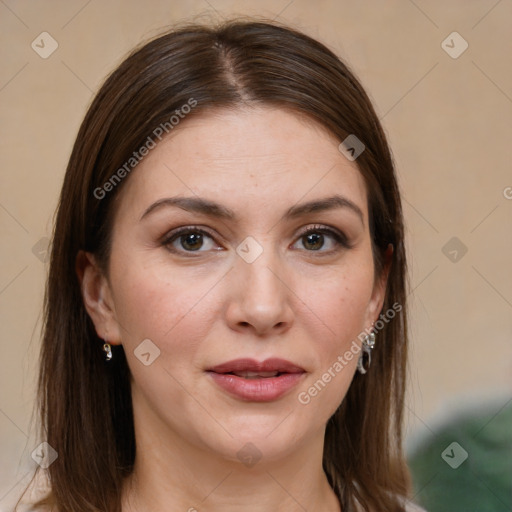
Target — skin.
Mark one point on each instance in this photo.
(205, 307)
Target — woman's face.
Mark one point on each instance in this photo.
(242, 281)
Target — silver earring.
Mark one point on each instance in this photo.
(367, 346)
(108, 351)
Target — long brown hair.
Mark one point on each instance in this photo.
(84, 405)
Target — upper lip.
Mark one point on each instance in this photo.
(273, 364)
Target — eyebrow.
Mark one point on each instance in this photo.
(213, 209)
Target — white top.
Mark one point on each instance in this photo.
(413, 507)
(409, 507)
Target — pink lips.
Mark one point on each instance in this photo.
(251, 387)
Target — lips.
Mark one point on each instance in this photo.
(250, 380)
(250, 367)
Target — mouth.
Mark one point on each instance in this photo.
(250, 368)
(250, 380)
(254, 375)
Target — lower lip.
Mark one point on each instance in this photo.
(263, 389)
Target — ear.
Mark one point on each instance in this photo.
(97, 297)
(380, 287)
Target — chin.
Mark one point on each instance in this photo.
(263, 438)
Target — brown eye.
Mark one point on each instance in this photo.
(192, 241)
(313, 241)
(189, 239)
(317, 237)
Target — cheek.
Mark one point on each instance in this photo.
(341, 305)
(342, 302)
(172, 314)
(166, 306)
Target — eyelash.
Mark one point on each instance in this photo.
(340, 238)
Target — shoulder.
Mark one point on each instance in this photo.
(38, 489)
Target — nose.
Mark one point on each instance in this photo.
(260, 296)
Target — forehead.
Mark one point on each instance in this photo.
(255, 160)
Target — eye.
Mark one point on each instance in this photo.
(189, 239)
(314, 239)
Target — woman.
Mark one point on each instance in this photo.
(225, 310)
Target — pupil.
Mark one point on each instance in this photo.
(196, 241)
(315, 238)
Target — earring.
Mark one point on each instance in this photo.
(108, 351)
(367, 346)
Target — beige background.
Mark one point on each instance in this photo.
(449, 123)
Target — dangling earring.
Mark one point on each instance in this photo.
(367, 346)
(108, 351)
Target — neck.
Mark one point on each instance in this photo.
(170, 473)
